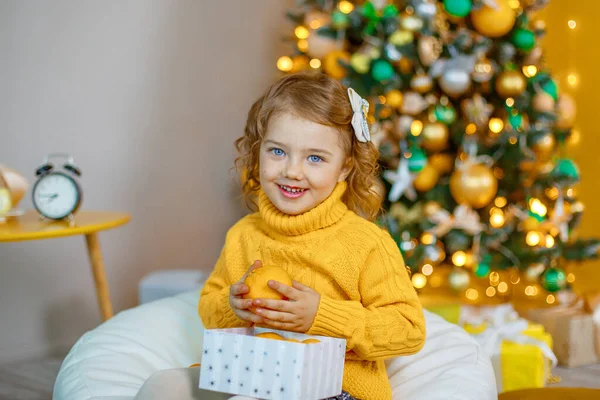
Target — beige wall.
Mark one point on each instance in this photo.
(148, 96)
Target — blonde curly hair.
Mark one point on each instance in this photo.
(323, 100)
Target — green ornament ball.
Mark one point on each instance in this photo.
(444, 114)
(566, 168)
(524, 39)
(339, 20)
(417, 160)
(382, 71)
(484, 267)
(550, 87)
(553, 279)
(458, 8)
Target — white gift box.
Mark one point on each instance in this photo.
(235, 361)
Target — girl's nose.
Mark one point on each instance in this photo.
(293, 170)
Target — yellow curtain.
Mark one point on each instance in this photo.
(574, 61)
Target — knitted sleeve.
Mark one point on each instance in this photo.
(388, 321)
(213, 307)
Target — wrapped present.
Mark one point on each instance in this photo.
(521, 352)
(235, 361)
(575, 329)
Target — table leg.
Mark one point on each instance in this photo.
(93, 247)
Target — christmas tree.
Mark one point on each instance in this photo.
(472, 130)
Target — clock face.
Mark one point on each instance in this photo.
(56, 195)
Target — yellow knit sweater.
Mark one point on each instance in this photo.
(366, 294)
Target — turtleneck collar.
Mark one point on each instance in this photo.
(325, 214)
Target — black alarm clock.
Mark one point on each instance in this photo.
(57, 193)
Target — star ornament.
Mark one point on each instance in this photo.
(402, 182)
(477, 110)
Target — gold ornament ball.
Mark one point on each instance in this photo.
(430, 208)
(393, 98)
(443, 162)
(543, 102)
(494, 21)
(544, 147)
(426, 178)
(510, 84)
(401, 37)
(360, 62)
(475, 186)
(331, 65)
(319, 46)
(421, 83)
(566, 110)
(435, 136)
(429, 50)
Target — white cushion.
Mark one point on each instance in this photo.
(114, 360)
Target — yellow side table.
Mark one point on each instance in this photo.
(31, 227)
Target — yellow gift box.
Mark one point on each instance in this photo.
(522, 358)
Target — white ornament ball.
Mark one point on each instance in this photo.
(455, 82)
(459, 279)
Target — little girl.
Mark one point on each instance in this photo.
(308, 161)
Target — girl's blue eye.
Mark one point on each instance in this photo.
(277, 152)
(315, 159)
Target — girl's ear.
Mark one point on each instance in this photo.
(346, 169)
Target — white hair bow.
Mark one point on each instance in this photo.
(359, 120)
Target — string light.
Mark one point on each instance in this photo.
(427, 238)
(512, 140)
(570, 277)
(427, 269)
(514, 4)
(570, 192)
(315, 63)
(302, 45)
(497, 219)
(572, 79)
(471, 129)
(285, 64)
(490, 291)
(494, 278)
(510, 102)
(572, 24)
(552, 193)
(514, 279)
(549, 241)
(500, 201)
(529, 291)
(301, 32)
(537, 207)
(550, 299)
(532, 238)
(459, 258)
(502, 287)
(419, 281)
(496, 125)
(472, 294)
(346, 7)
(530, 71)
(416, 127)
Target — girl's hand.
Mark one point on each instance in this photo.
(296, 314)
(239, 305)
